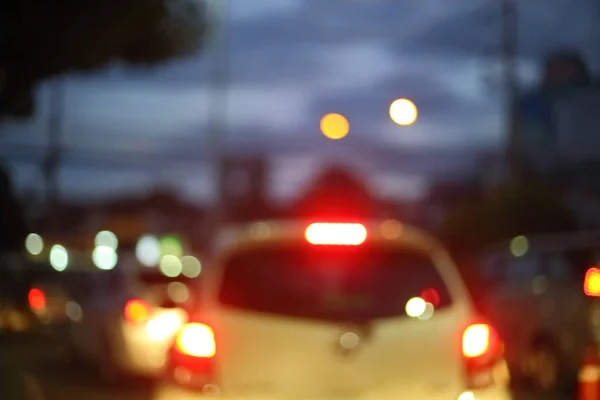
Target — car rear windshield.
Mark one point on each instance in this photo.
(157, 278)
(332, 283)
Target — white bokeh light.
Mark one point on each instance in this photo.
(107, 239)
(104, 257)
(147, 251)
(403, 112)
(178, 292)
(415, 307)
(34, 244)
(190, 266)
(170, 266)
(428, 313)
(59, 257)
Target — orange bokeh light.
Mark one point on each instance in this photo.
(335, 126)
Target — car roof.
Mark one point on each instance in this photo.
(273, 232)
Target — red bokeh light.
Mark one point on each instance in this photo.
(37, 299)
(431, 296)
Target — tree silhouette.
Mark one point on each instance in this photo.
(507, 211)
(13, 228)
(336, 194)
(42, 39)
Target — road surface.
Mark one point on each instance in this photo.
(34, 370)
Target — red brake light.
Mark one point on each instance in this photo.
(137, 311)
(36, 299)
(343, 234)
(196, 340)
(591, 282)
(476, 340)
(482, 350)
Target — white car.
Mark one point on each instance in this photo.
(126, 329)
(336, 311)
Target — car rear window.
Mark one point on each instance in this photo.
(157, 278)
(332, 283)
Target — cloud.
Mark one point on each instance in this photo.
(291, 174)
(401, 186)
(126, 111)
(542, 27)
(456, 104)
(291, 61)
(258, 10)
(281, 40)
(280, 65)
(24, 176)
(358, 66)
(189, 182)
(169, 112)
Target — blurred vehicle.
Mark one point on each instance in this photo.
(31, 300)
(48, 303)
(535, 294)
(124, 323)
(335, 310)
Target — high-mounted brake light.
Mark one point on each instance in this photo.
(196, 340)
(591, 282)
(36, 299)
(137, 311)
(342, 234)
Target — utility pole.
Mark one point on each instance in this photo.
(510, 38)
(217, 109)
(51, 163)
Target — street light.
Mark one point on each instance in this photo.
(335, 126)
(403, 112)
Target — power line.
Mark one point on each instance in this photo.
(510, 37)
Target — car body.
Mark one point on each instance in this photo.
(338, 311)
(32, 302)
(125, 323)
(556, 321)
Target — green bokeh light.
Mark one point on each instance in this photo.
(171, 246)
(519, 246)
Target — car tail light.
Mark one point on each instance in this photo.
(476, 340)
(165, 324)
(137, 311)
(482, 350)
(196, 340)
(192, 357)
(591, 282)
(342, 234)
(36, 299)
